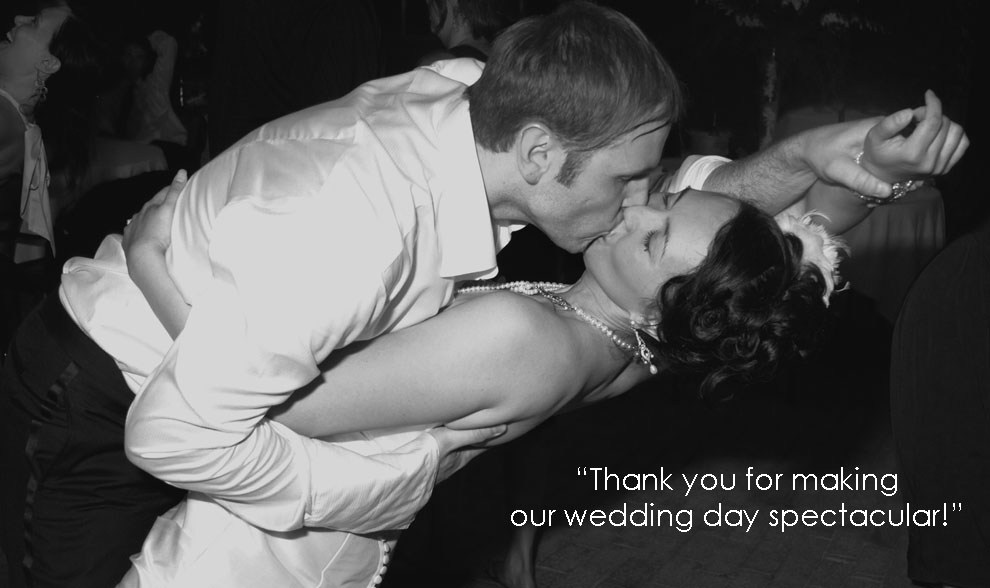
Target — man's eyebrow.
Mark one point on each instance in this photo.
(655, 129)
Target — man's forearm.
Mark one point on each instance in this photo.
(771, 179)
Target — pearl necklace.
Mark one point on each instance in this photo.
(546, 289)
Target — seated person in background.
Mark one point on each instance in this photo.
(136, 104)
(151, 117)
(466, 28)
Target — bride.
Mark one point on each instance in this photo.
(694, 281)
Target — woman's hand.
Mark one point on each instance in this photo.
(149, 232)
(147, 237)
(933, 147)
(894, 152)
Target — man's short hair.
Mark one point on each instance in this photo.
(585, 71)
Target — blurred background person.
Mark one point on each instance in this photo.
(466, 28)
(49, 71)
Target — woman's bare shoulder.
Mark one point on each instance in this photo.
(524, 319)
(533, 333)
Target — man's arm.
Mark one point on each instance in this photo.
(778, 176)
(284, 480)
(250, 340)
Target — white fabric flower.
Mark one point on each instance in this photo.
(820, 248)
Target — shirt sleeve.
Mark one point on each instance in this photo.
(288, 287)
(693, 172)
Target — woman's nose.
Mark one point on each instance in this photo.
(637, 193)
(21, 19)
(635, 216)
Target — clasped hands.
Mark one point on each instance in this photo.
(894, 151)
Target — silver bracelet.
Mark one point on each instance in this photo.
(897, 190)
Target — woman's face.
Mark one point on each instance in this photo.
(667, 237)
(25, 47)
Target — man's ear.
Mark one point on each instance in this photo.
(536, 150)
(49, 65)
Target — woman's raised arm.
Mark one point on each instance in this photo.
(893, 154)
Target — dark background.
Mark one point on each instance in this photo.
(892, 51)
(907, 47)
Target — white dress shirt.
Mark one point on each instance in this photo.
(328, 226)
(199, 544)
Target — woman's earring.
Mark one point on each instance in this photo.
(645, 355)
(40, 89)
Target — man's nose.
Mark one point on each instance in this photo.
(637, 199)
(20, 19)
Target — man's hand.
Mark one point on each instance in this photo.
(458, 447)
(151, 228)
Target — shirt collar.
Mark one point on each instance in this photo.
(467, 238)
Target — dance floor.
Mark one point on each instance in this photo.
(826, 417)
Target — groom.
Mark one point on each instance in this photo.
(325, 227)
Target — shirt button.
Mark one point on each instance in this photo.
(378, 580)
(385, 558)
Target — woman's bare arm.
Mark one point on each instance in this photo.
(822, 158)
(494, 359)
(891, 153)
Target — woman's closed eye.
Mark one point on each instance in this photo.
(649, 239)
(660, 234)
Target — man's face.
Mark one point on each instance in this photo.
(612, 178)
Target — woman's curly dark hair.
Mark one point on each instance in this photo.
(748, 306)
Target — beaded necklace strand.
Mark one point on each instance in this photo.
(547, 289)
